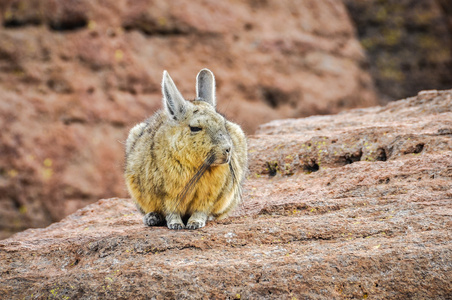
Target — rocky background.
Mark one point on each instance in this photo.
(408, 44)
(351, 206)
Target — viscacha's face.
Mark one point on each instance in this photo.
(204, 132)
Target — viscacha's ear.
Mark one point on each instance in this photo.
(205, 87)
(174, 103)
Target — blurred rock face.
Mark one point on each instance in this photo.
(76, 75)
(408, 42)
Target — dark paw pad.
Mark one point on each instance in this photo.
(176, 226)
(153, 219)
(195, 225)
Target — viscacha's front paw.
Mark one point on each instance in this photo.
(176, 226)
(195, 225)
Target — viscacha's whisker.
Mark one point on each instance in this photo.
(188, 188)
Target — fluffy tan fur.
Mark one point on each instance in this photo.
(165, 153)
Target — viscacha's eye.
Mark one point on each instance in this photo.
(195, 129)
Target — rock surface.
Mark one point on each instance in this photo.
(408, 42)
(76, 75)
(356, 205)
